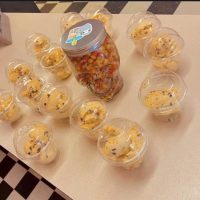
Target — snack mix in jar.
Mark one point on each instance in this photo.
(69, 19)
(55, 61)
(55, 101)
(28, 90)
(141, 27)
(18, 69)
(122, 143)
(35, 142)
(104, 16)
(88, 115)
(36, 44)
(10, 110)
(162, 93)
(164, 49)
(95, 58)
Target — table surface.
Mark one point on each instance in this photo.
(171, 167)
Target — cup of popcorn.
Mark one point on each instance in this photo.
(141, 26)
(69, 19)
(28, 90)
(88, 115)
(56, 62)
(10, 110)
(56, 101)
(103, 15)
(162, 93)
(36, 44)
(18, 69)
(35, 142)
(122, 143)
(164, 49)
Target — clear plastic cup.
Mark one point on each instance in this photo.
(10, 110)
(141, 26)
(55, 61)
(69, 19)
(36, 44)
(103, 15)
(35, 142)
(164, 49)
(18, 69)
(123, 143)
(28, 90)
(88, 115)
(162, 93)
(56, 101)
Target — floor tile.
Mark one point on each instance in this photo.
(5, 190)
(15, 175)
(27, 184)
(6, 165)
(41, 191)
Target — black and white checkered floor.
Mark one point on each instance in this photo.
(18, 181)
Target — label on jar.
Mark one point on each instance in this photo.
(78, 33)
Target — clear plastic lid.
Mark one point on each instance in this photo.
(164, 43)
(142, 25)
(162, 91)
(88, 115)
(32, 139)
(17, 69)
(69, 19)
(56, 101)
(6, 100)
(122, 142)
(53, 57)
(28, 90)
(37, 43)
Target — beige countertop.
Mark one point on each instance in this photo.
(171, 167)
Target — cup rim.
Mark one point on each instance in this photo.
(77, 104)
(163, 73)
(134, 159)
(30, 124)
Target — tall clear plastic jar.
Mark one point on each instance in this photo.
(35, 142)
(95, 58)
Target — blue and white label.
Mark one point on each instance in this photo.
(78, 33)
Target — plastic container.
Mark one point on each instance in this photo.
(162, 93)
(17, 69)
(36, 44)
(104, 16)
(55, 101)
(10, 110)
(122, 143)
(88, 115)
(56, 62)
(141, 26)
(28, 90)
(164, 49)
(69, 19)
(35, 142)
(95, 58)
